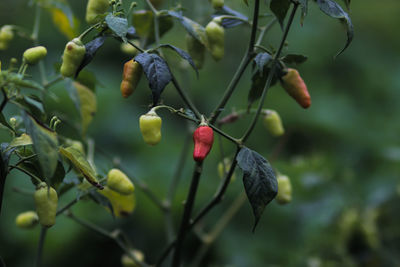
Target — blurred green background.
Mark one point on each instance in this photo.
(342, 154)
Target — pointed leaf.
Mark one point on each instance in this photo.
(230, 23)
(157, 73)
(334, 10)
(294, 59)
(91, 50)
(87, 105)
(143, 22)
(45, 144)
(23, 140)
(79, 161)
(259, 180)
(118, 25)
(183, 54)
(67, 27)
(5, 123)
(280, 9)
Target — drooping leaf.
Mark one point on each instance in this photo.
(79, 161)
(193, 28)
(87, 105)
(31, 104)
(45, 144)
(23, 140)
(259, 180)
(64, 24)
(280, 9)
(294, 59)
(91, 49)
(118, 25)
(157, 73)
(230, 23)
(262, 60)
(183, 54)
(259, 80)
(334, 10)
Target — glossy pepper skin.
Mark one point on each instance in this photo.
(150, 126)
(95, 8)
(273, 123)
(6, 36)
(296, 88)
(203, 139)
(34, 55)
(119, 182)
(74, 53)
(215, 34)
(130, 77)
(196, 50)
(27, 219)
(46, 200)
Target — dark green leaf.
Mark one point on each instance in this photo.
(4, 122)
(156, 71)
(31, 105)
(183, 54)
(193, 28)
(294, 59)
(259, 180)
(280, 9)
(45, 144)
(118, 25)
(259, 80)
(262, 60)
(229, 23)
(88, 79)
(334, 10)
(91, 50)
(23, 140)
(32, 166)
(58, 176)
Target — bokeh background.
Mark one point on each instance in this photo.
(342, 154)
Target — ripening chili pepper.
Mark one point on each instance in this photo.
(284, 195)
(272, 121)
(26, 219)
(46, 200)
(215, 34)
(196, 50)
(203, 138)
(150, 126)
(130, 77)
(119, 182)
(74, 53)
(95, 8)
(6, 35)
(296, 88)
(34, 55)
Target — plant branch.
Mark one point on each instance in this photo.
(42, 238)
(26, 172)
(52, 82)
(5, 99)
(35, 38)
(270, 75)
(184, 227)
(185, 98)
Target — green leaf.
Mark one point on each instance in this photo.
(183, 54)
(45, 144)
(334, 10)
(294, 59)
(18, 80)
(101, 200)
(23, 140)
(4, 160)
(280, 9)
(91, 49)
(58, 176)
(230, 23)
(259, 80)
(156, 71)
(4, 122)
(87, 105)
(192, 27)
(118, 25)
(259, 180)
(79, 161)
(32, 104)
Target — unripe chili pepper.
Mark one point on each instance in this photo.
(34, 55)
(215, 33)
(46, 200)
(130, 49)
(119, 182)
(196, 50)
(272, 121)
(284, 195)
(296, 88)
(95, 8)
(217, 4)
(150, 126)
(74, 53)
(130, 77)
(26, 219)
(203, 138)
(6, 35)
(128, 262)
(122, 205)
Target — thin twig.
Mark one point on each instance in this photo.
(39, 254)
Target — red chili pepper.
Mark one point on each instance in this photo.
(203, 139)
